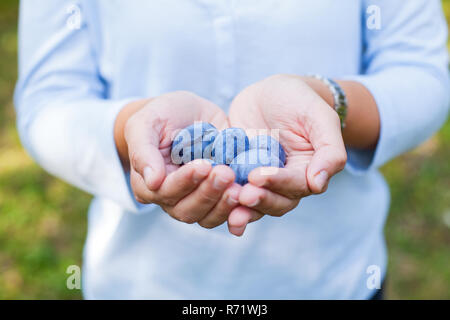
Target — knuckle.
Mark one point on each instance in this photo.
(207, 225)
(269, 180)
(279, 213)
(296, 189)
(341, 160)
(175, 214)
(300, 191)
(206, 196)
(167, 210)
(135, 159)
(182, 216)
(285, 209)
(144, 198)
(275, 212)
(170, 201)
(221, 214)
(290, 207)
(140, 200)
(296, 194)
(188, 219)
(139, 192)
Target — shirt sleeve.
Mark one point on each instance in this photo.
(64, 116)
(405, 67)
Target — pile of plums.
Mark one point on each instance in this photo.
(230, 146)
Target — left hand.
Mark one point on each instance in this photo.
(310, 133)
(195, 192)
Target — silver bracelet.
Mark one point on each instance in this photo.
(340, 100)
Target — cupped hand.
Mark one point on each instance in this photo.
(195, 192)
(310, 132)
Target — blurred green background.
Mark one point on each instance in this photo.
(43, 220)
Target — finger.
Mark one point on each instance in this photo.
(325, 163)
(202, 200)
(329, 155)
(183, 181)
(240, 217)
(266, 201)
(288, 182)
(143, 149)
(219, 214)
(140, 190)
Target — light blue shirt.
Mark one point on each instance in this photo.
(81, 61)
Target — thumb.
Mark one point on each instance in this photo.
(145, 156)
(329, 155)
(325, 163)
(148, 162)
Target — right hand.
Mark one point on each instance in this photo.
(191, 193)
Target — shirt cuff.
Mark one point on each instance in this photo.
(362, 161)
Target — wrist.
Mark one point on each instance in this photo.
(339, 100)
(321, 89)
(119, 129)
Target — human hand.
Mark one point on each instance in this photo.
(309, 130)
(195, 192)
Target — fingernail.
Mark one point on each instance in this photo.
(219, 183)
(148, 174)
(232, 201)
(321, 179)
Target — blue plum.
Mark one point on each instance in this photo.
(228, 144)
(269, 143)
(193, 142)
(251, 159)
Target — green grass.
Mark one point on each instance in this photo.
(43, 220)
